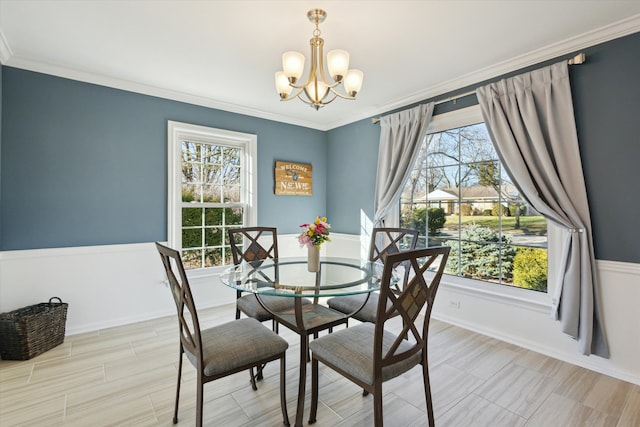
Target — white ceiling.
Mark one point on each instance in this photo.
(223, 54)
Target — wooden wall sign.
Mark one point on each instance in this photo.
(293, 179)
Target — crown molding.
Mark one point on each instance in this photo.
(141, 88)
(5, 51)
(600, 35)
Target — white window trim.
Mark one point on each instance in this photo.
(513, 295)
(176, 133)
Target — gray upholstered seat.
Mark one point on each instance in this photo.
(221, 350)
(352, 349)
(370, 354)
(236, 344)
(349, 304)
(249, 305)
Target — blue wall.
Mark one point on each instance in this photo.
(83, 164)
(606, 94)
(351, 181)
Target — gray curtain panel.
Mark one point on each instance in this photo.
(400, 137)
(531, 122)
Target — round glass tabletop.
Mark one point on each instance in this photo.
(289, 277)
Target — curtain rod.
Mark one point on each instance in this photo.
(576, 60)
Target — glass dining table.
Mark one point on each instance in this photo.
(290, 278)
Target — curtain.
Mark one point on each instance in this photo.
(531, 122)
(400, 137)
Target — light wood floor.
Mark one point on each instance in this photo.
(126, 376)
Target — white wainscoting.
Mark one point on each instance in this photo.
(108, 286)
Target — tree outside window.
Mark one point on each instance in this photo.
(212, 173)
(458, 195)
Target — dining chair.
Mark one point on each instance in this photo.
(369, 354)
(384, 241)
(255, 245)
(221, 350)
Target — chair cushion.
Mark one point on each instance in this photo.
(237, 343)
(249, 305)
(349, 304)
(351, 350)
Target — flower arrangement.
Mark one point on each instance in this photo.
(316, 233)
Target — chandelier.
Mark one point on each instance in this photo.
(317, 91)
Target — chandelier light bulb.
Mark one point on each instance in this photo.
(282, 85)
(338, 64)
(353, 82)
(317, 97)
(293, 65)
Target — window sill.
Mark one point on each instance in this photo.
(527, 299)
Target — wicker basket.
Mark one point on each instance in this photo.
(30, 331)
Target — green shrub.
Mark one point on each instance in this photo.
(513, 207)
(496, 210)
(481, 260)
(188, 195)
(466, 209)
(530, 269)
(416, 219)
(486, 212)
(421, 218)
(435, 220)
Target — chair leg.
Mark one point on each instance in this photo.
(283, 390)
(377, 405)
(175, 412)
(427, 392)
(259, 370)
(309, 351)
(253, 380)
(314, 391)
(199, 401)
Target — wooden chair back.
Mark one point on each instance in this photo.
(187, 315)
(388, 240)
(253, 244)
(426, 267)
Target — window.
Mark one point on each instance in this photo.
(460, 196)
(211, 189)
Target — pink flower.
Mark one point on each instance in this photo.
(315, 233)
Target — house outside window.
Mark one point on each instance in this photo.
(458, 195)
(211, 189)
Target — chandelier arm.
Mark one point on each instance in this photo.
(310, 80)
(318, 104)
(324, 78)
(331, 100)
(335, 92)
(296, 95)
